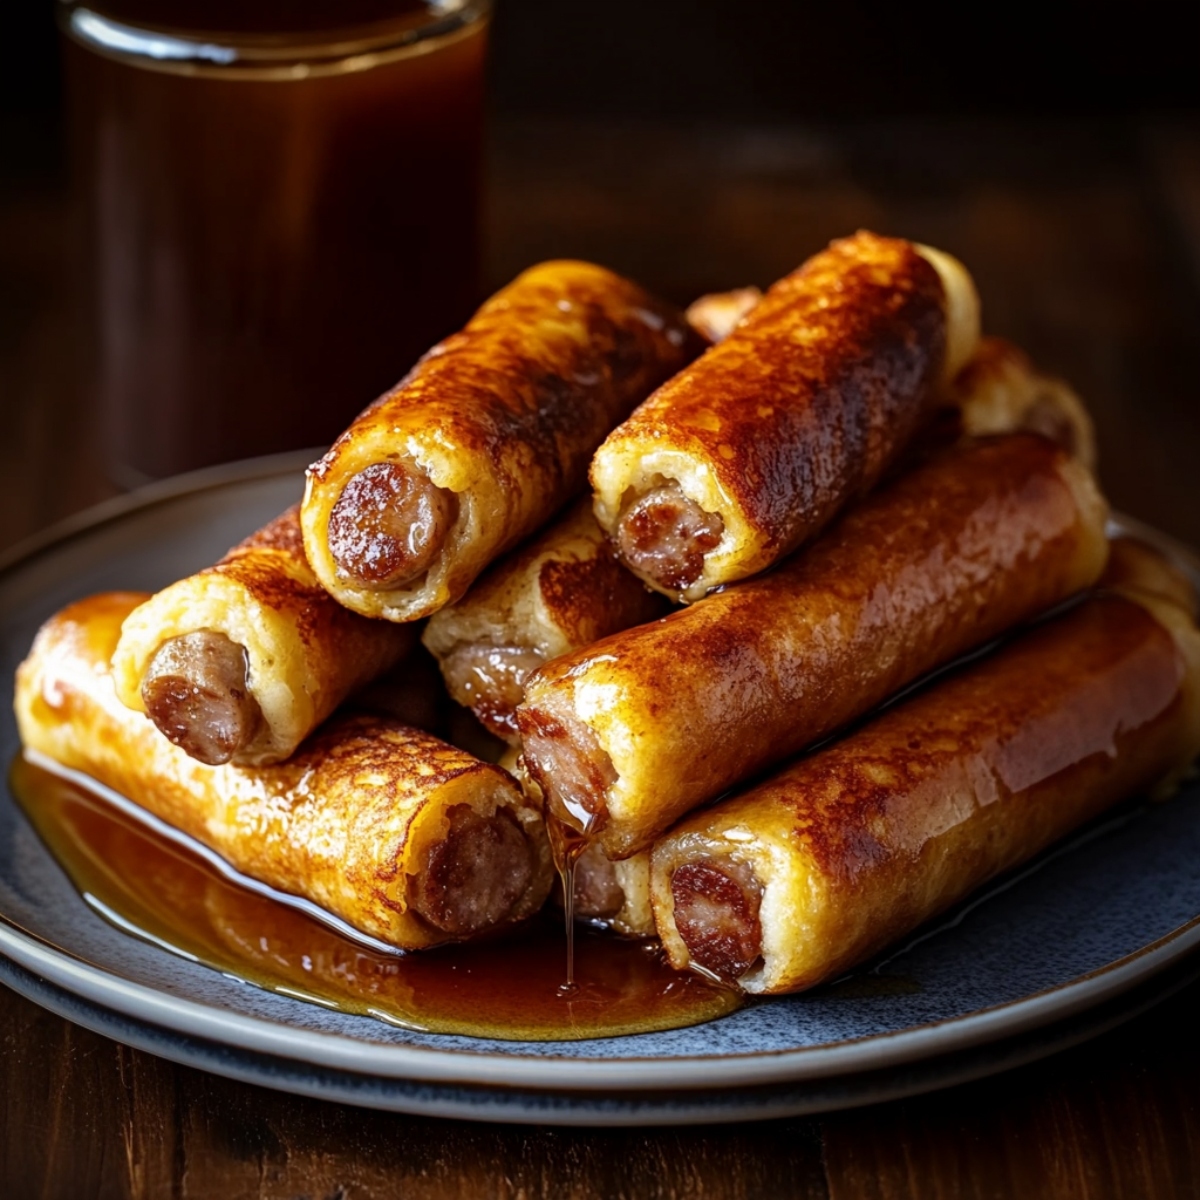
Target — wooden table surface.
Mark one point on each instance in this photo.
(1085, 242)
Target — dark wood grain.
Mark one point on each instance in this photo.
(98, 1119)
(85, 1117)
(1085, 241)
(1116, 1117)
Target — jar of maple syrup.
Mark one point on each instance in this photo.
(282, 201)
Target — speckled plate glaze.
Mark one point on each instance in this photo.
(1091, 933)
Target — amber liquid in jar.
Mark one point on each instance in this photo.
(282, 212)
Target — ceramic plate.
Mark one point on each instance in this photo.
(1090, 933)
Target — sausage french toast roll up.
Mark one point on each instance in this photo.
(754, 448)
(240, 662)
(563, 590)
(1135, 567)
(614, 893)
(1000, 390)
(630, 733)
(404, 837)
(823, 865)
(487, 436)
(607, 892)
(717, 315)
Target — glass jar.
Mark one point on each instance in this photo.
(282, 203)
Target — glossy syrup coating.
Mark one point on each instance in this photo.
(561, 590)
(800, 408)
(504, 416)
(860, 842)
(362, 820)
(630, 733)
(304, 652)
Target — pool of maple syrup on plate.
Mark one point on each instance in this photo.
(161, 886)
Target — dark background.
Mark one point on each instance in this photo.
(773, 62)
(782, 58)
(1056, 150)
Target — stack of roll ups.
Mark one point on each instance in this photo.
(804, 502)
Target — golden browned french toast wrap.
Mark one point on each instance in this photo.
(614, 893)
(627, 735)
(754, 448)
(404, 837)
(241, 661)
(718, 314)
(1000, 390)
(562, 590)
(486, 438)
(825, 864)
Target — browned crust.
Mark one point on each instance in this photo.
(589, 598)
(339, 641)
(804, 404)
(496, 386)
(282, 534)
(306, 652)
(973, 775)
(261, 575)
(524, 393)
(338, 822)
(949, 555)
(1119, 668)
(282, 580)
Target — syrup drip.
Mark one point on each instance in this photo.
(159, 885)
(567, 844)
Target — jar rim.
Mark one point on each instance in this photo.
(270, 56)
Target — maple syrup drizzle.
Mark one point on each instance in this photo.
(158, 884)
(568, 842)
